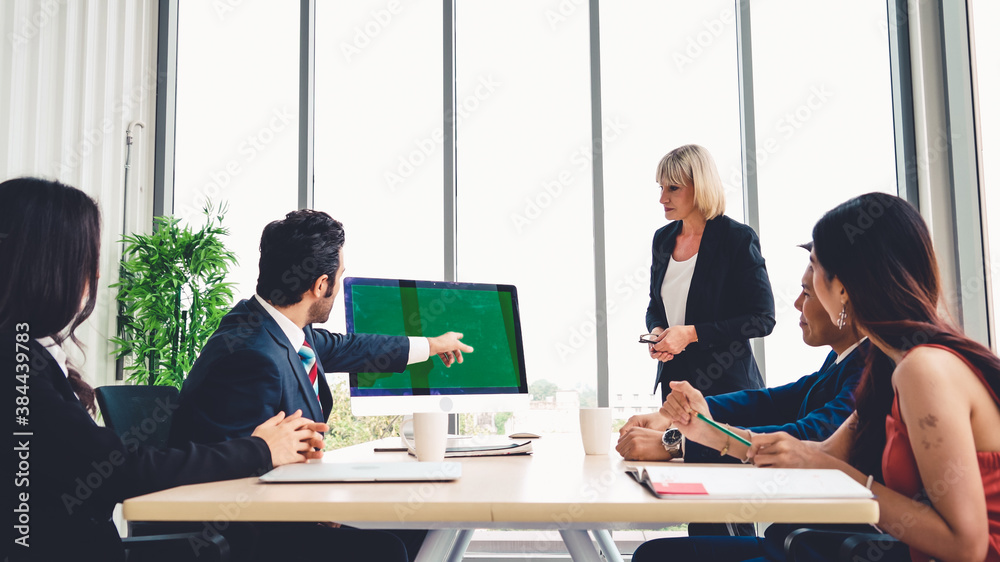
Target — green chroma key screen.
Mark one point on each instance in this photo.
(487, 316)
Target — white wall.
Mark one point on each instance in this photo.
(75, 74)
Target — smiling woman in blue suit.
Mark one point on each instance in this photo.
(709, 291)
(68, 472)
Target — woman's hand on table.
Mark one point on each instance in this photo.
(781, 450)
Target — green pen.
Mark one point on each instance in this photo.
(723, 429)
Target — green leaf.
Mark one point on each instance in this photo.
(171, 296)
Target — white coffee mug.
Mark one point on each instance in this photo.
(595, 429)
(430, 435)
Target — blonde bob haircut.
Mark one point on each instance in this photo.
(692, 166)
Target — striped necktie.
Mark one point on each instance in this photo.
(308, 357)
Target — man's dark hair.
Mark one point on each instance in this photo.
(295, 252)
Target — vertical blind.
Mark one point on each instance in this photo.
(76, 74)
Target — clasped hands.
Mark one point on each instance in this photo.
(671, 341)
(292, 439)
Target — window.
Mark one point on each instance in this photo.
(985, 18)
(524, 168)
(379, 152)
(669, 78)
(524, 180)
(237, 122)
(824, 135)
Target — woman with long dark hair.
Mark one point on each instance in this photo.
(68, 473)
(924, 437)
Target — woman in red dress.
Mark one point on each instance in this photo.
(924, 436)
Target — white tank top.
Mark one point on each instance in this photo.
(675, 288)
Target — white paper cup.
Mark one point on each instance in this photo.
(595, 429)
(430, 435)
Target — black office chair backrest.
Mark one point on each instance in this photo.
(139, 412)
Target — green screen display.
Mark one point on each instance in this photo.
(486, 315)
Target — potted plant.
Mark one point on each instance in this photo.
(171, 297)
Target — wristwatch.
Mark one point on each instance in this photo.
(673, 442)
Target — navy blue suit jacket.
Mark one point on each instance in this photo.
(811, 408)
(730, 301)
(79, 471)
(248, 372)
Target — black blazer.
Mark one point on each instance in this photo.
(76, 471)
(248, 372)
(730, 301)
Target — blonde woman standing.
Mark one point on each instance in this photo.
(709, 290)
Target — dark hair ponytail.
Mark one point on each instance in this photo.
(879, 247)
(83, 391)
(49, 251)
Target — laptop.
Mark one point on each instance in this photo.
(364, 472)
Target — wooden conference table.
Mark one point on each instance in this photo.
(557, 487)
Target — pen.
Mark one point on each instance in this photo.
(723, 429)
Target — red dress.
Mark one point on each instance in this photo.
(899, 467)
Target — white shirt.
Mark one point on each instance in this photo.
(675, 288)
(56, 351)
(849, 350)
(420, 348)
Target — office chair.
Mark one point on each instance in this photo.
(848, 546)
(132, 410)
(141, 412)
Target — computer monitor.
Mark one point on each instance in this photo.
(490, 379)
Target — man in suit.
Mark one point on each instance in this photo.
(266, 357)
(811, 408)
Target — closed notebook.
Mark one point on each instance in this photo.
(489, 449)
(479, 446)
(364, 472)
(737, 482)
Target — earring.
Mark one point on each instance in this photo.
(842, 319)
